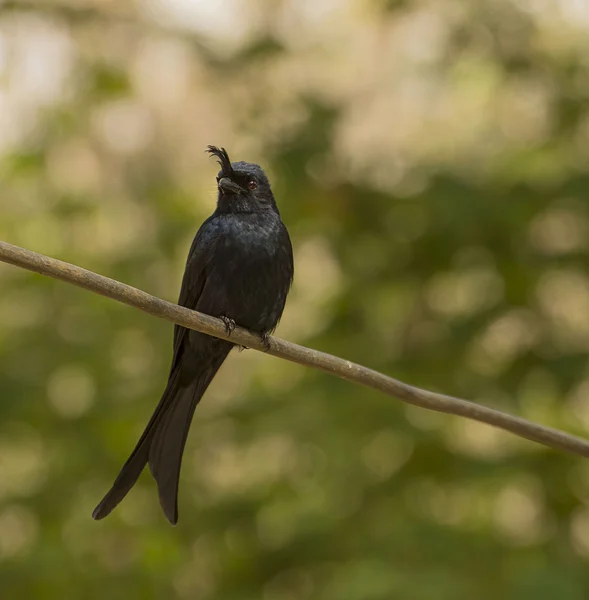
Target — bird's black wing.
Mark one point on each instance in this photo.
(193, 283)
(197, 358)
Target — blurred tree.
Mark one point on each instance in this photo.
(430, 160)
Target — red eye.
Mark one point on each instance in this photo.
(251, 184)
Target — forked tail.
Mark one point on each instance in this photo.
(162, 443)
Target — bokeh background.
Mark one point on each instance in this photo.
(430, 159)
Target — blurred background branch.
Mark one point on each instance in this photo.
(109, 14)
(73, 11)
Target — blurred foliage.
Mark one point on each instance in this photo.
(430, 160)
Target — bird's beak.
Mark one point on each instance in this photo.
(228, 186)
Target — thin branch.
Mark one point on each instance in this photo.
(340, 367)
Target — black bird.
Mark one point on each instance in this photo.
(240, 269)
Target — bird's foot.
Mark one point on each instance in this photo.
(265, 337)
(229, 324)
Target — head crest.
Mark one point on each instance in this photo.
(223, 159)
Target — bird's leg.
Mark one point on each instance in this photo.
(229, 324)
(265, 337)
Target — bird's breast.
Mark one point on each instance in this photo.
(251, 273)
(251, 239)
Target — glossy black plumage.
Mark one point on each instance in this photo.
(239, 268)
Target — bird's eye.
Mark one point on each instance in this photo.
(251, 184)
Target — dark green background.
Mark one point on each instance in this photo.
(430, 160)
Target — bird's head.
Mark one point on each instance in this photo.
(243, 187)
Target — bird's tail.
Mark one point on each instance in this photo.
(162, 443)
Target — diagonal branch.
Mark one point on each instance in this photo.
(340, 367)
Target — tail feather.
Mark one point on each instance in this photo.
(136, 462)
(167, 446)
(162, 443)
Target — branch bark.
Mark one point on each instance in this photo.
(309, 357)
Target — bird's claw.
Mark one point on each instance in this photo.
(229, 324)
(265, 337)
